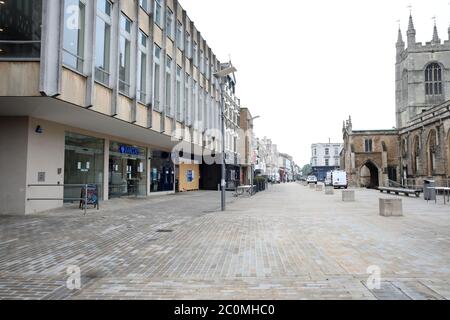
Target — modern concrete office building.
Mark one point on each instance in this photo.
(100, 91)
(211, 173)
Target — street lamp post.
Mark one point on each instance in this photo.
(221, 75)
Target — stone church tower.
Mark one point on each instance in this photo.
(422, 74)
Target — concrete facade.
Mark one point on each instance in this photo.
(180, 104)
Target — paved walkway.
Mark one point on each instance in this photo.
(288, 243)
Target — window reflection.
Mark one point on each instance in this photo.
(20, 22)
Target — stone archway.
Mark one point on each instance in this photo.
(370, 175)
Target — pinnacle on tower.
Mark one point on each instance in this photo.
(411, 33)
(400, 45)
(411, 24)
(435, 39)
(400, 38)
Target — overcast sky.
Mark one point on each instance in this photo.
(305, 66)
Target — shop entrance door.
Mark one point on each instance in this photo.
(127, 171)
(83, 164)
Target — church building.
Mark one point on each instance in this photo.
(419, 147)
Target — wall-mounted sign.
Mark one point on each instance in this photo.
(129, 150)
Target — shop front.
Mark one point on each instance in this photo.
(127, 170)
(83, 164)
(162, 176)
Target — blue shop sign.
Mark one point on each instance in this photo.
(129, 150)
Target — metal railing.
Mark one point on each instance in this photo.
(83, 199)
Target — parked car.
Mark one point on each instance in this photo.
(311, 180)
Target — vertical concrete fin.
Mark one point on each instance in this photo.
(51, 48)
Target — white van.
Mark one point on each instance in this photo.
(339, 179)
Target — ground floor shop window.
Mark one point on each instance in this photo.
(232, 178)
(127, 170)
(83, 164)
(163, 172)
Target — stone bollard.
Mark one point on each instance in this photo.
(391, 207)
(319, 187)
(348, 195)
(329, 191)
(312, 186)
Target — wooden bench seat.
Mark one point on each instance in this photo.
(398, 191)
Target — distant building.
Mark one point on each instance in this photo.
(246, 146)
(286, 169)
(325, 157)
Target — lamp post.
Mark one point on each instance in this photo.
(221, 75)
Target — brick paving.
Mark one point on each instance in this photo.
(288, 243)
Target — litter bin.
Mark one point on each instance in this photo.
(429, 194)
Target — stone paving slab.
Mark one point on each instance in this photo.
(287, 243)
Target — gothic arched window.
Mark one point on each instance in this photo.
(416, 155)
(433, 80)
(431, 152)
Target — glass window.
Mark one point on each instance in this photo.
(169, 86)
(83, 163)
(127, 170)
(187, 105)
(194, 101)
(169, 23)
(179, 94)
(144, 4)
(158, 9)
(142, 67)
(188, 45)
(368, 145)
(433, 80)
(202, 62)
(74, 28)
(180, 35)
(20, 23)
(103, 41)
(124, 54)
(157, 78)
(195, 54)
(200, 106)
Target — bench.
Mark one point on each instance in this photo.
(397, 191)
